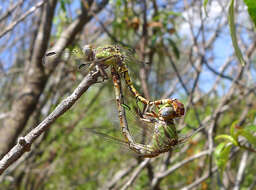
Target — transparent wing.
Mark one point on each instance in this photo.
(130, 55)
(74, 54)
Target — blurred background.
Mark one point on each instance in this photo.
(189, 55)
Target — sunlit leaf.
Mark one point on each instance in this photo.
(251, 5)
(251, 128)
(221, 154)
(205, 4)
(228, 138)
(233, 32)
(219, 149)
(248, 136)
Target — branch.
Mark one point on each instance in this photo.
(136, 173)
(10, 10)
(162, 175)
(24, 143)
(118, 176)
(201, 179)
(22, 17)
(241, 170)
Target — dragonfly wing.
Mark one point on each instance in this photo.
(109, 140)
(130, 55)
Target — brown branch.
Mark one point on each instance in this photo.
(37, 75)
(136, 173)
(162, 175)
(22, 17)
(201, 179)
(10, 10)
(24, 143)
(241, 170)
(31, 88)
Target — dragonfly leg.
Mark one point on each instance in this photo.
(92, 65)
(103, 73)
(146, 151)
(151, 120)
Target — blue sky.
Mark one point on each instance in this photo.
(222, 48)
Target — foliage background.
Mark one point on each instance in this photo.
(191, 57)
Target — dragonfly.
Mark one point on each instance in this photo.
(103, 57)
(160, 113)
(118, 57)
(165, 135)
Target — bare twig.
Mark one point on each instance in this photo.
(136, 173)
(22, 17)
(24, 143)
(10, 10)
(200, 180)
(160, 176)
(240, 172)
(118, 176)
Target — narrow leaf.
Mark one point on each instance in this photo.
(227, 137)
(174, 48)
(219, 149)
(233, 33)
(205, 4)
(248, 136)
(221, 154)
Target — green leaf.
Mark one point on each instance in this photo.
(173, 13)
(248, 136)
(227, 137)
(62, 6)
(233, 33)
(205, 4)
(219, 149)
(221, 154)
(174, 48)
(251, 128)
(251, 4)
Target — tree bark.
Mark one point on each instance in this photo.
(36, 77)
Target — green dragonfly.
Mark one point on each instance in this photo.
(117, 57)
(160, 114)
(104, 56)
(164, 134)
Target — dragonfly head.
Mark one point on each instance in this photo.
(171, 111)
(167, 112)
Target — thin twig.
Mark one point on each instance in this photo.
(22, 17)
(162, 175)
(136, 173)
(241, 170)
(24, 143)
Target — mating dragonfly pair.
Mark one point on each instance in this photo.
(160, 113)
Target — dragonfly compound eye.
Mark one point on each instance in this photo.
(179, 108)
(87, 50)
(167, 113)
